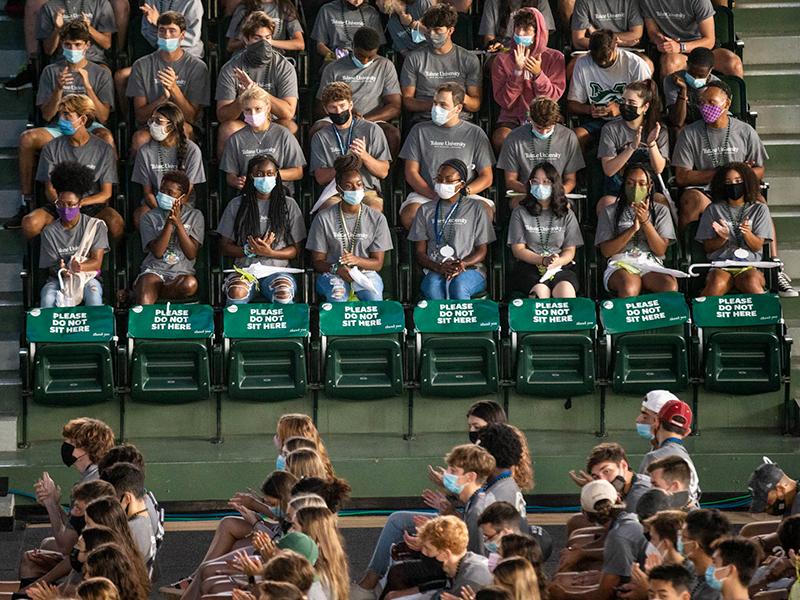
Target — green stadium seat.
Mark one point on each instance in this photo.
(725, 32)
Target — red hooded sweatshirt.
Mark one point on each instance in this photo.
(514, 93)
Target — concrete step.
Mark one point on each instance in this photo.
(10, 130)
(765, 16)
(783, 187)
(9, 202)
(9, 351)
(783, 150)
(791, 261)
(10, 391)
(10, 61)
(771, 49)
(777, 118)
(773, 83)
(10, 280)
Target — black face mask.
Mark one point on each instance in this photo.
(628, 112)
(734, 191)
(77, 523)
(619, 483)
(679, 499)
(76, 564)
(257, 54)
(777, 509)
(66, 454)
(473, 436)
(339, 118)
(349, 6)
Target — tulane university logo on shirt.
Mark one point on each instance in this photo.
(447, 144)
(542, 155)
(670, 15)
(600, 95)
(608, 16)
(441, 74)
(359, 78)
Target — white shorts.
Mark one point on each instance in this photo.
(611, 268)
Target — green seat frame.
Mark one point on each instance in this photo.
(647, 360)
(555, 365)
(363, 368)
(265, 370)
(170, 371)
(75, 374)
(458, 365)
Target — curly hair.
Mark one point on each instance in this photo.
(76, 31)
(92, 435)
(503, 442)
(752, 188)
(71, 176)
(440, 15)
(544, 111)
(445, 533)
(605, 512)
(336, 91)
(333, 491)
(346, 163)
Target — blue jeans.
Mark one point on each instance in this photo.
(268, 286)
(335, 289)
(391, 534)
(461, 287)
(92, 293)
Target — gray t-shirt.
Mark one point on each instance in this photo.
(326, 146)
(473, 571)
(669, 448)
(284, 28)
(617, 15)
(369, 85)
(699, 589)
(246, 143)
(592, 85)
(100, 14)
(430, 145)
(625, 545)
(95, 154)
(703, 148)
(678, 19)
(153, 160)
(192, 10)
(671, 92)
(640, 485)
(522, 150)
(192, 78)
(616, 134)
(142, 533)
(468, 226)
(491, 16)
(400, 34)
(60, 243)
(174, 262)
(426, 71)
(505, 489)
(544, 233)
(99, 80)
(294, 234)
(472, 512)
(326, 233)
(336, 24)
(607, 229)
(278, 77)
(760, 223)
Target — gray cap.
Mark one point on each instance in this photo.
(764, 479)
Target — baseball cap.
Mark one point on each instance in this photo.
(595, 491)
(763, 479)
(677, 413)
(654, 400)
(302, 544)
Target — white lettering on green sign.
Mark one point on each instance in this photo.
(640, 312)
(735, 308)
(361, 316)
(174, 320)
(66, 323)
(555, 312)
(460, 313)
(262, 319)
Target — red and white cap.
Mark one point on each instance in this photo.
(655, 400)
(677, 413)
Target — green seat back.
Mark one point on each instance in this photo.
(555, 365)
(73, 374)
(264, 370)
(723, 27)
(170, 371)
(742, 362)
(363, 368)
(458, 365)
(649, 360)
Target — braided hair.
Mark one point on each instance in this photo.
(173, 113)
(623, 203)
(345, 164)
(248, 218)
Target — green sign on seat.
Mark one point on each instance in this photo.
(70, 325)
(640, 313)
(551, 314)
(265, 321)
(171, 321)
(361, 318)
(456, 316)
(736, 310)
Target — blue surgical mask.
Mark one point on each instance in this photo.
(357, 62)
(65, 126)
(695, 83)
(169, 45)
(73, 56)
(264, 185)
(541, 191)
(540, 135)
(164, 201)
(450, 483)
(679, 545)
(523, 40)
(280, 464)
(277, 512)
(439, 115)
(491, 547)
(644, 430)
(353, 197)
(713, 582)
(417, 36)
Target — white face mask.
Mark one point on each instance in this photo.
(439, 115)
(158, 132)
(445, 191)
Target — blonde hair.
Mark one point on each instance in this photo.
(256, 93)
(98, 588)
(305, 501)
(305, 463)
(320, 525)
(472, 458)
(517, 576)
(79, 104)
(300, 425)
(445, 533)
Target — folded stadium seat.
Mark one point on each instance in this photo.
(456, 347)
(360, 354)
(169, 347)
(725, 31)
(552, 345)
(264, 351)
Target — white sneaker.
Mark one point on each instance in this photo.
(785, 289)
(359, 593)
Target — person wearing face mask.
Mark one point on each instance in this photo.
(633, 234)
(735, 561)
(673, 475)
(288, 34)
(404, 26)
(703, 527)
(347, 236)
(530, 70)
(262, 135)
(682, 88)
(540, 139)
(451, 236)
(168, 150)
(620, 16)
(348, 133)
(97, 15)
(497, 25)
(441, 61)
(336, 23)
(171, 235)
(259, 64)
(598, 81)
(192, 11)
(664, 529)
(637, 138)
(652, 404)
(263, 226)
(500, 520)
(543, 234)
(734, 227)
(128, 482)
(774, 493)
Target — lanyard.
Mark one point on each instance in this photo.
(671, 440)
(504, 475)
(544, 242)
(342, 148)
(439, 234)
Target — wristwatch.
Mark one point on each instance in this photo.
(682, 46)
(247, 251)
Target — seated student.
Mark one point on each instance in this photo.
(673, 475)
(621, 17)
(633, 232)
(403, 24)
(702, 528)
(445, 137)
(263, 226)
(773, 492)
(735, 561)
(168, 150)
(349, 236)
(168, 74)
(676, 27)
(529, 70)
(336, 23)
(288, 34)
(734, 227)
(349, 134)
(501, 521)
(128, 482)
(664, 529)
(669, 582)
(542, 139)
(543, 234)
(519, 576)
(97, 15)
(171, 236)
(112, 562)
(73, 245)
(257, 65)
(598, 81)
(261, 135)
(779, 573)
(682, 88)
(299, 425)
(192, 12)
(428, 68)
(72, 75)
(651, 405)
(366, 72)
(497, 25)
(76, 114)
(451, 236)
(625, 544)
(637, 138)
(503, 441)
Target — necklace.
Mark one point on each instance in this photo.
(348, 240)
(533, 141)
(260, 142)
(163, 162)
(735, 220)
(717, 161)
(544, 240)
(635, 250)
